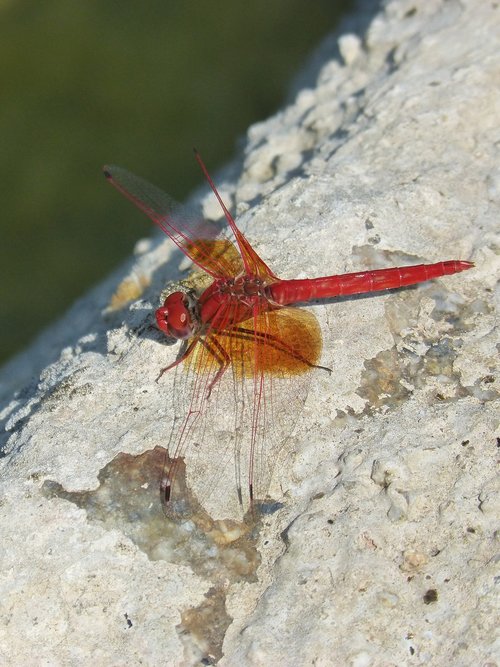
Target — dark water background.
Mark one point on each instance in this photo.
(137, 84)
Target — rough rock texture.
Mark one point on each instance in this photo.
(381, 550)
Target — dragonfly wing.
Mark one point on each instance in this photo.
(193, 235)
(254, 265)
(231, 432)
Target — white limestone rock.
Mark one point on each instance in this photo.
(383, 551)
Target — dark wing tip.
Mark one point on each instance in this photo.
(107, 172)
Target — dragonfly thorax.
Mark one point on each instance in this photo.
(178, 317)
(246, 289)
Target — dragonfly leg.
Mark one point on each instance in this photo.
(275, 342)
(221, 356)
(184, 354)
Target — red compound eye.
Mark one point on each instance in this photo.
(174, 317)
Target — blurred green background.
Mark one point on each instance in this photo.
(137, 84)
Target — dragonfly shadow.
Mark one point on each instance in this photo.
(83, 329)
(354, 297)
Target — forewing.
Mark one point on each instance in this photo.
(194, 236)
(254, 265)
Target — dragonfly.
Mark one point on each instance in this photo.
(248, 350)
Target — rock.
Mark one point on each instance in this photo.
(378, 547)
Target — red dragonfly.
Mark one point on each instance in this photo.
(248, 355)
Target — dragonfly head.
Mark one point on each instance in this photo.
(177, 316)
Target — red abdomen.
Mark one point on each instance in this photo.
(295, 291)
